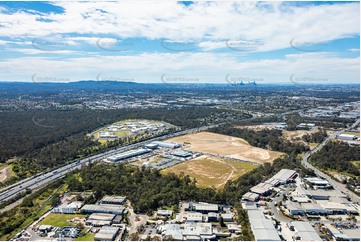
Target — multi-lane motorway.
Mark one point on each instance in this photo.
(40, 180)
(337, 185)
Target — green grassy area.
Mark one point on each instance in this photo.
(122, 133)
(313, 145)
(87, 237)
(36, 205)
(356, 163)
(60, 220)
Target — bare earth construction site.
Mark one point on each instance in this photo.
(227, 146)
(233, 158)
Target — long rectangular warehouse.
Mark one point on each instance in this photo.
(128, 154)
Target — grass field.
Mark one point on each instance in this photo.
(228, 146)
(87, 237)
(211, 171)
(60, 220)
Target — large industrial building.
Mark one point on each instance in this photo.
(117, 200)
(128, 154)
(163, 144)
(263, 229)
(107, 233)
(305, 231)
(103, 208)
(69, 208)
(346, 137)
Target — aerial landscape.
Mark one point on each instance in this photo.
(179, 121)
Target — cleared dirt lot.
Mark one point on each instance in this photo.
(4, 174)
(211, 171)
(224, 145)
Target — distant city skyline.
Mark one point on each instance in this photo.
(181, 42)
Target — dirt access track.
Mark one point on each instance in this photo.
(218, 144)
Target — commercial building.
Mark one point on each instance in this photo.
(346, 137)
(213, 217)
(263, 189)
(128, 154)
(163, 144)
(194, 217)
(69, 208)
(205, 208)
(305, 231)
(250, 196)
(227, 217)
(318, 182)
(188, 231)
(106, 233)
(166, 213)
(182, 154)
(103, 208)
(296, 208)
(263, 229)
(116, 200)
(99, 219)
(151, 146)
(285, 176)
(198, 231)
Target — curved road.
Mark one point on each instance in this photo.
(337, 185)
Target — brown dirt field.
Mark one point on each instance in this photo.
(224, 145)
(4, 174)
(211, 171)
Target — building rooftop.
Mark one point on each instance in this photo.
(255, 214)
(284, 175)
(106, 208)
(261, 188)
(113, 199)
(306, 231)
(205, 207)
(101, 216)
(266, 235)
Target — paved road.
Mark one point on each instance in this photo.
(40, 180)
(337, 185)
(276, 212)
(136, 220)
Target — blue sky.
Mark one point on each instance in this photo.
(271, 42)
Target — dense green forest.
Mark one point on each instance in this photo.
(45, 139)
(25, 133)
(266, 138)
(317, 137)
(337, 156)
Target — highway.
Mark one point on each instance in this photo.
(40, 180)
(337, 185)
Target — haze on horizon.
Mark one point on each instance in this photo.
(180, 42)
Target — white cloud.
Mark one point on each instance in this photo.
(273, 23)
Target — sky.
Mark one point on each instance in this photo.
(180, 42)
